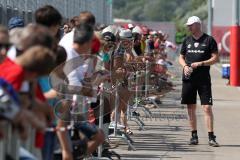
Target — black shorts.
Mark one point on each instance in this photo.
(190, 90)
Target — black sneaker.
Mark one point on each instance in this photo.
(110, 154)
(212, 142)
(193, 140)
(135, 114)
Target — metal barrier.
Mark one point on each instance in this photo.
(10, 144)
(102, 9)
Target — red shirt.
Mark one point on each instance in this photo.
(95, 45)
(12, 72)
(39, 94)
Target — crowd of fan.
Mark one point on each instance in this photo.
(42, 61)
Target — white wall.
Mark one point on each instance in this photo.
(222, 12)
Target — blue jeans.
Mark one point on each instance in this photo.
(50, 139)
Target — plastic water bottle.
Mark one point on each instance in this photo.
(190, 72)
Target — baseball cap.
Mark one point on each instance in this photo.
(153, 32)
(109, 36)
(15, 22)
(137, 29)
(160, 32)
(193, 19)
(126, 34)
(130, 26)
(112, 29)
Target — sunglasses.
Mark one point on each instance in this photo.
(126, 44)
(126, 41)
(5, 46)
(109, 46)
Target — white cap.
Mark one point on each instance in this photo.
(125, 34)
(153, 32)
(137, 29)
(111, 28)
(160, 32)
(130, 26)
(193, 19)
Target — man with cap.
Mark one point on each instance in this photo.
(122, 54)
(199, 51)
(109, 40)
(137, 34)
(15, 26)
(15, 22)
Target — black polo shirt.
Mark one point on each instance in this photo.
(199, 50)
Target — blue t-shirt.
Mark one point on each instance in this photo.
(45, 86)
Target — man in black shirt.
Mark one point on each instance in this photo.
(198, 52)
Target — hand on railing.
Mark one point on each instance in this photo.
(99, 77)
(43, 111)
(24, 119)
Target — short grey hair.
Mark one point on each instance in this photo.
(15, 36)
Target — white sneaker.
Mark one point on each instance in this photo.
(119, 126)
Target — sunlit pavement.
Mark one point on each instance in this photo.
(167, 133)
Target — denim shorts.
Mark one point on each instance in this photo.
(88, 129)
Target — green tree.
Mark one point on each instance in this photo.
(159, 10)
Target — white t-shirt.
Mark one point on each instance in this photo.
(80, 67)
(66, 42)
(85, 68)
(76, 75)
(12, 53)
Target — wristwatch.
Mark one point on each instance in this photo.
(202, 64)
